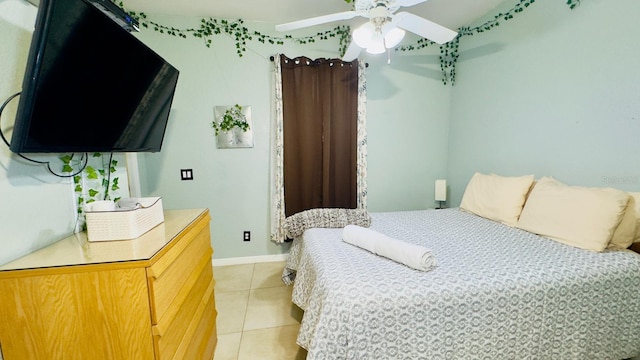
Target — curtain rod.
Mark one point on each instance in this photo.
(273, 58)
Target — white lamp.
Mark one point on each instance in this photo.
(441, 191)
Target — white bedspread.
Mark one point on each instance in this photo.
(497, 293)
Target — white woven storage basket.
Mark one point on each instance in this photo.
(124, 224)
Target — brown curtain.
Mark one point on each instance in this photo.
(320, 104)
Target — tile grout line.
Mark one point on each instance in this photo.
(244, 318)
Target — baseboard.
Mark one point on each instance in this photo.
(250, 259)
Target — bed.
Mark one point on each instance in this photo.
(498, 292)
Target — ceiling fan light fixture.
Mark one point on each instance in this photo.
(393, 36)
(376, 39)
(377, 45)
(363, 36)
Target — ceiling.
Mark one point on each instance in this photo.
(449, 13)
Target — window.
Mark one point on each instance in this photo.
(325, 140)
(320, 109)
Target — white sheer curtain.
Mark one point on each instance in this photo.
(362, 135)
(277, 159)
(277, 150)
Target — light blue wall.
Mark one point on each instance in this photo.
(407, 133)
(36, 208)
(408, 112)
(551, 92)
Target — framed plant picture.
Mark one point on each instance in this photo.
(233, 126)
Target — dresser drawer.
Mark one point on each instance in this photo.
(170, 283)
(204, 341)
(178, 331)
(164, 260)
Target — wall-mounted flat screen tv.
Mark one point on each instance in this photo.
(90, 85)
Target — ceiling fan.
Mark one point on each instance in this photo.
(385, 28)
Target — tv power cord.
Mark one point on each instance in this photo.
(84, 157)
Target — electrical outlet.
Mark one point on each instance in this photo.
(186, 174)
(246, 236)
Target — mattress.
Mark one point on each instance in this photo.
(497, 293)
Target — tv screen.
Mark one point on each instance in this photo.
(90, 85)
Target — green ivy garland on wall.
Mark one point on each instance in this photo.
(449, 51)
(236, 29)
(240, 33)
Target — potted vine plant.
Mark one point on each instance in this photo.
(232, 126)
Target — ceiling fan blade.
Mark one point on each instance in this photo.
(407, 3)
(352, 53)
(294, 25)
(423, 27)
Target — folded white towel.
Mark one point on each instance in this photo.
(415, 256)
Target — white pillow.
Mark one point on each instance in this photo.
(636, 198)
(625, 233)
(495, 197)
(574, 215)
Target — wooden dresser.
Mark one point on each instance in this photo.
(147, 298)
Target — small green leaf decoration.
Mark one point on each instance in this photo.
(93, 192)
(91, 173)
(114, 185)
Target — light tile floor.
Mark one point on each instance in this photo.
(256, 318)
